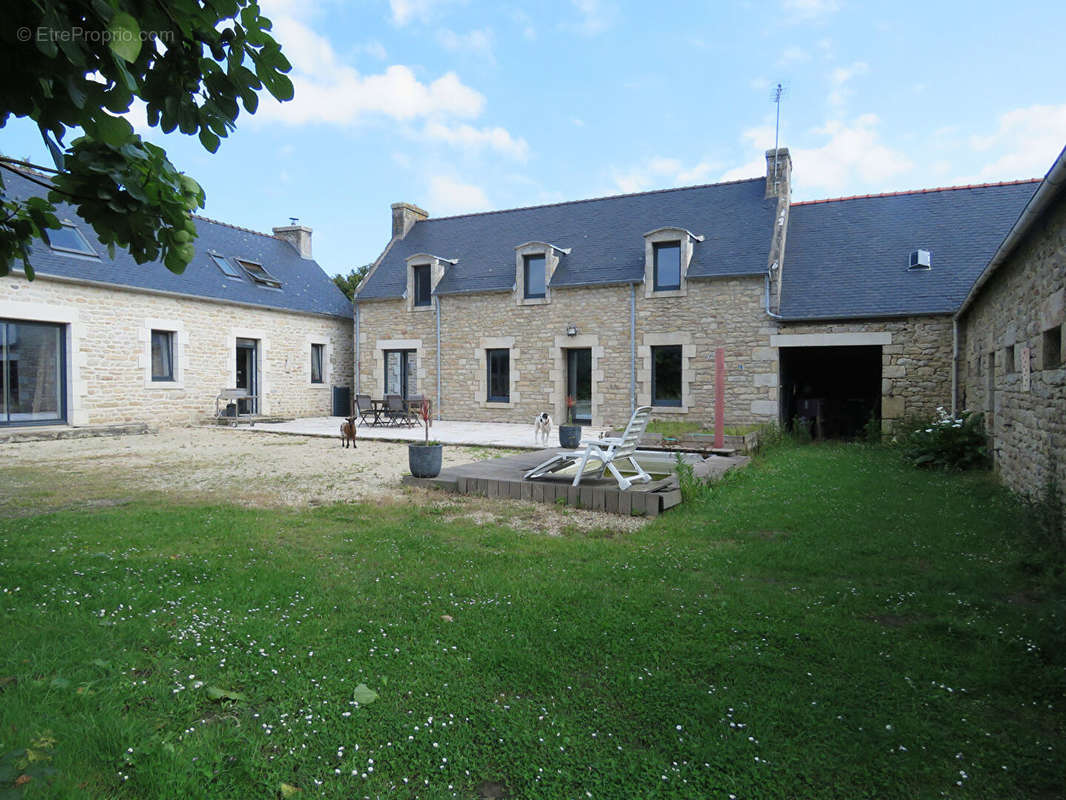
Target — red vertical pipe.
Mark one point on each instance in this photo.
(719, 398)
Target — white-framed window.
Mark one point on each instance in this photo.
(667, 255)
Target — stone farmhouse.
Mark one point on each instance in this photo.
(100, 341)
(840, 310)
(1012, 340)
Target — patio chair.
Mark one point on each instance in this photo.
(606, 451)
(364, 406)
(396, 410)
(414, 408)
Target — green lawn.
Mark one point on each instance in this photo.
(826, 623)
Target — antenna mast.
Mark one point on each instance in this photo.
(779, 90)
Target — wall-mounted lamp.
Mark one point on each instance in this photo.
(571, 329)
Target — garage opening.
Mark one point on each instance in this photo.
(835, 391)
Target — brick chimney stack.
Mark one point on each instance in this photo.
(404, 216)
(299, 236)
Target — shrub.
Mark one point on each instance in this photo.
(948, 442)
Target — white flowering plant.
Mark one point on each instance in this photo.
(948, 442)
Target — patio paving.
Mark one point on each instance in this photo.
(487, 434)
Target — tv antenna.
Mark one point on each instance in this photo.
(778, 93)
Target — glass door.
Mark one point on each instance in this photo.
(248, 375)
(32, 374)
(579, 383)
(401, 373)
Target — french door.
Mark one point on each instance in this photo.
(32, 373)
(248, 375)
(401, 373)
(579, 383)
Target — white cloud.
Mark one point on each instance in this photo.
(794, 55)
(477, 42)
(1024, 144)
(375, 49)
(660, 172)
(347, 96)
(852, 160)
(810, 9)
(449, 195)
(467, 137)
(596, 16)
(405, 11)
(839, 78)
(331, 91)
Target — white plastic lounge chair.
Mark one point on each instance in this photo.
(605, 451)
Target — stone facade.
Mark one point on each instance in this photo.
(915, 358)
(1011, 357)
(713, 313)
(727, 313)
(108, 351)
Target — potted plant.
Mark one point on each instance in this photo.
(570, 433)
(424, 459)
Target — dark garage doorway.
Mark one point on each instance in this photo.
(837, 390)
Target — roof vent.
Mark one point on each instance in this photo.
(921, 259)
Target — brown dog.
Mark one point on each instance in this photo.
(348, 432)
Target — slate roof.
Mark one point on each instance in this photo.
(605, 234)
(305, 287)
(848, 258)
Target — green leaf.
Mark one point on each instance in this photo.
(224, 694)
(124, 37)
(364, 695)
(59, 683)
(288, 790)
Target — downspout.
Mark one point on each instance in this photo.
(438, 358)
(355, 306)
(954, 365)
(632, 348)
(768, 311)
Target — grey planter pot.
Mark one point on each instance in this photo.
(424, 459)
(569, 436)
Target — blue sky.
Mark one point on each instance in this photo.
(460, 105)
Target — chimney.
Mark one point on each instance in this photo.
(404, 216)
(299, 236)
(779, 186)
(778, 173)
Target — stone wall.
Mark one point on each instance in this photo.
(915, 359)
(1013, 327)
(108, 351)
(713, 313)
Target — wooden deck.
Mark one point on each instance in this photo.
(502, 477)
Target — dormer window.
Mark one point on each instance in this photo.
(535, 264)
(667, 266)
(423, 285)
(667, 255)
(258, 274)
(225, 266)
(534, 277)
(68, 239)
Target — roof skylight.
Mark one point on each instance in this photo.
(68, 239)
(258, 274)
(224, 264)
